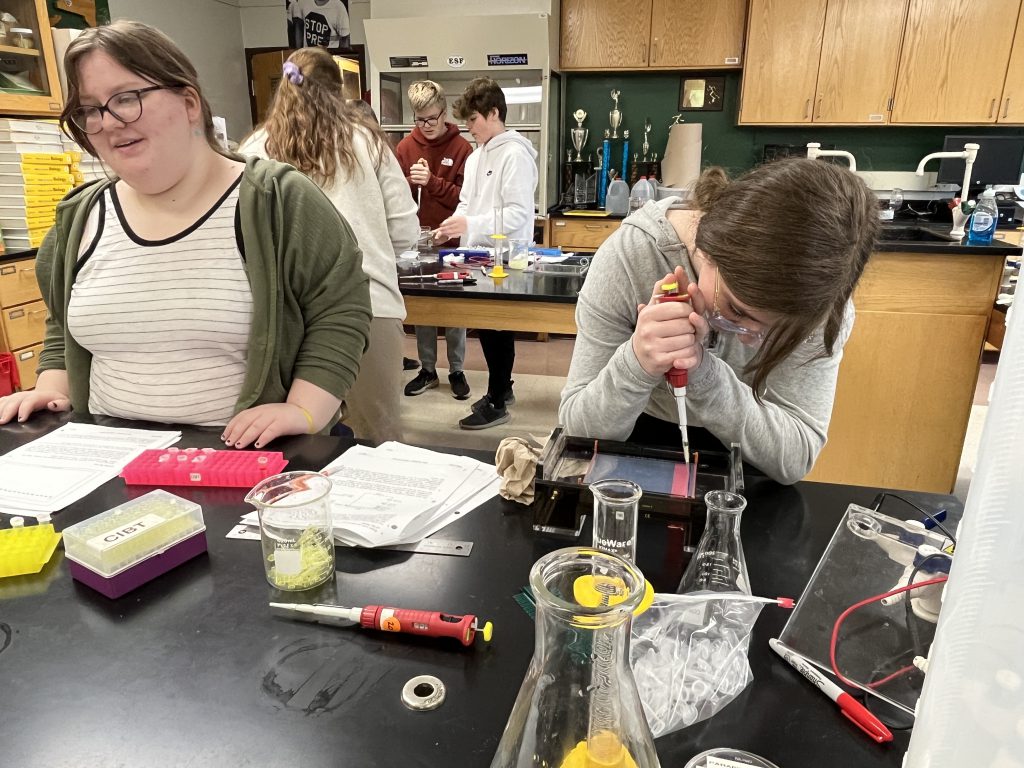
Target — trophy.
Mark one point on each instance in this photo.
(647, 131)
(579, 133)
(615, 117)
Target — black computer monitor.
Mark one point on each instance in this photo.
(1000, 159)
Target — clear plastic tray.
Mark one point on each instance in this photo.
(122, 537)
(868, 556)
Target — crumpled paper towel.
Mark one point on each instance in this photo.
(516, 462)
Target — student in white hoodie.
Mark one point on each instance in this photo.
(501, 173)
(311, 126)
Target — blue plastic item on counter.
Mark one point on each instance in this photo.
(984, 219)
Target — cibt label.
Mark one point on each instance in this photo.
(125, 532)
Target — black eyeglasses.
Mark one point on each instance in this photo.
(428, 122)
(125, 107)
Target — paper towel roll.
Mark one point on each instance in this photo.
(681, 165)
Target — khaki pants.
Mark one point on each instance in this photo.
(374, 402)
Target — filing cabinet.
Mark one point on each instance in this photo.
(22, 317)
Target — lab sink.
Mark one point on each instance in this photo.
(911, 234)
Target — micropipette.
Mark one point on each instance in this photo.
(677, 377)
(413, 622)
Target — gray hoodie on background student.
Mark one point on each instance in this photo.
(607, 389)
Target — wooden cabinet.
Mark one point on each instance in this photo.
(576, 235)
(651, 34)
(22, 317)
(859, 56)
(845, 72)
(605, 34)
(1011, 108)
(31, 85)
(909, 370)
(953, 62)
(696, 33)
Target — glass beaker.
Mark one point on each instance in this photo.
(616, 503)
(718, 565)
(424, 242)
(519, 255)
(578, 706)
(295, 529)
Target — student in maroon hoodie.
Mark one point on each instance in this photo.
(433, 157)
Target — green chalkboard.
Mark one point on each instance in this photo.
(738, 148)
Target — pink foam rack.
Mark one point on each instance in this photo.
(203, 466)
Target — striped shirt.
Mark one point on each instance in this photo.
(166, 321)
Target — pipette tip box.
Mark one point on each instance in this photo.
(123, 548)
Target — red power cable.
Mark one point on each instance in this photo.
(856, 606)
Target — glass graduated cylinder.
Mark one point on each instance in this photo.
(578, 706)
(718, 565)
(296, 533)
(616, 505)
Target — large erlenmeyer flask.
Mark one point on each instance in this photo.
(578, 706)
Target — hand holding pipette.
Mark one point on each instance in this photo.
(668, 337)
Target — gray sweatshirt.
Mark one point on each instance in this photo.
(607, 389)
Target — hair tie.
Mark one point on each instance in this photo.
(293, 73)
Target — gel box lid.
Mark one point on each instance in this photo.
(124, 536)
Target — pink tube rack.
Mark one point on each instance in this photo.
(203, 466)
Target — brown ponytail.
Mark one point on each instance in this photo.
(792, 238)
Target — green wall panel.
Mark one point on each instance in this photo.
(737, 148)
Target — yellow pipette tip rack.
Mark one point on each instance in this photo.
(26, 550)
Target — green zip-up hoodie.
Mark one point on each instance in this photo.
(311, 300)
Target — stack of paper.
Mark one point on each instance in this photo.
(64, 465)
(35, 173)
(398, 494)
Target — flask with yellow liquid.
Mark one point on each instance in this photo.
(578, 706)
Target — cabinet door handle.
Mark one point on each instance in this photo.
(644, 55)
(817, 112)
(27, 269)
(807, 110)
(37, 312)
(593, 227)
(992, 109)
(1006, 109)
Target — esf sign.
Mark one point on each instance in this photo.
(507, 60)
(456, 62)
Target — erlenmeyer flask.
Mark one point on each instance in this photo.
(718, 564)
(578, 706)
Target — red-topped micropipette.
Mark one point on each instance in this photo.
(676, 377)
(413, 622)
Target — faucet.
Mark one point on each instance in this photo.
(815, 151)
(969, 155)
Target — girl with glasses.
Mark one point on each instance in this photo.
(190, 287)
(770, 261)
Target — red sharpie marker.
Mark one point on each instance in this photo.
(852, 709)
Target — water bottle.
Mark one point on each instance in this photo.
(640, 194)
(984, 218)
(617, 199)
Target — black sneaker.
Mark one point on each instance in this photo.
(459, 385)
(424, 380)
(485, 416)
(510, 399)
(408, 364)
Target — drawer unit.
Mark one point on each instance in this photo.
(24, 325)
(18, 283)
(578, 235)
(27, 360)
(22, 317)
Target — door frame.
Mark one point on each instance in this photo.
(353, 51)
